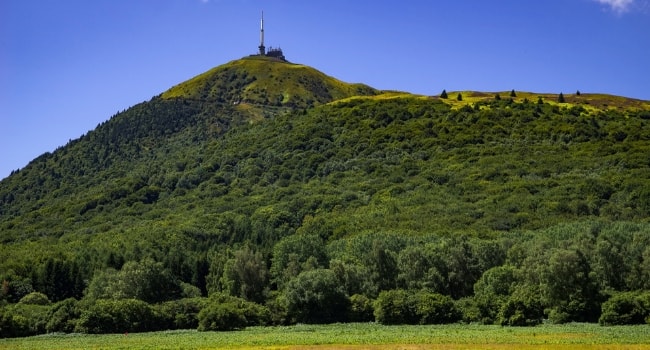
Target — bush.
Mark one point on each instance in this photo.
(63, 316)
(361, 309)
(433, 308)
(22, 320)
(393, 307)
(118, 316)
(224, 312)
(408, 307)
(35, 298)
(522, 308)
(470, 311)
(626, 308)
(316, 297)
(221, 317)
(183, 313)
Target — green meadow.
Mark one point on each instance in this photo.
(358, 336)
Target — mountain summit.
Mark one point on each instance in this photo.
(259, 80)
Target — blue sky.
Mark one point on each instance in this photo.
(67, 65)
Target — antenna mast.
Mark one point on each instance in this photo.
(261, 47)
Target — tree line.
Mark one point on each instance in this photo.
(580, 272)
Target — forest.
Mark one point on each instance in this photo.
(206, 214)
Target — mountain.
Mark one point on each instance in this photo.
(257, 151)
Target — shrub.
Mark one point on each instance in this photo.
(409, 307)
(393, 307)
(470, 311)
(221, 317)
(361, 309)
(63, 316)
(626, 308)
(117, 316)
(316, 297)
(522, 308)
(22, 320)
(223, 312)
(35, 298)
(182, 313)
(433, 308)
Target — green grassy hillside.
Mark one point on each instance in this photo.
(339, 179)
(265, 81)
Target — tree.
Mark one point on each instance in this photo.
(568, 289)
(118, 316)
(522, 308)
(459, 97)
(492, 290)
(221, 317)
(62, 317)
(316, 297)
(512, 93)
(294, 254)
(413, 264)
(444, 94)
(560, 98)
(245, 275)
(415, 307)
(497, 97)
(146, 280)
(626, 308)
(149, 281)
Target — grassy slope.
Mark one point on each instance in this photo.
(265, 81)
(589, 101)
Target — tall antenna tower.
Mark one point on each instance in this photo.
(261, 47)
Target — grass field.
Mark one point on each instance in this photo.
(358, 336)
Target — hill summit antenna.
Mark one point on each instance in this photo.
(273, 52)
(261, 47)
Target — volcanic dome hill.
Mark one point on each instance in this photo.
(260, 155)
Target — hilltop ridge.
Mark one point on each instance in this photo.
(260, 80)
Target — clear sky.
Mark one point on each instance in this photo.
(67, 65)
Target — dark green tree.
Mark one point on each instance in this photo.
(294, 254)
(522, 308)
(560, 98)
(245, 275)
(626, 308)
(444, 94)
(568, 289)
(316, 297)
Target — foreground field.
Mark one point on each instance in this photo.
(358, 336)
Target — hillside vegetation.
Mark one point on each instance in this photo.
(231, 198)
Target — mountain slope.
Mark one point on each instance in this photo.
(180, 177)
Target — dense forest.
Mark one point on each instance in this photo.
(221, 204)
